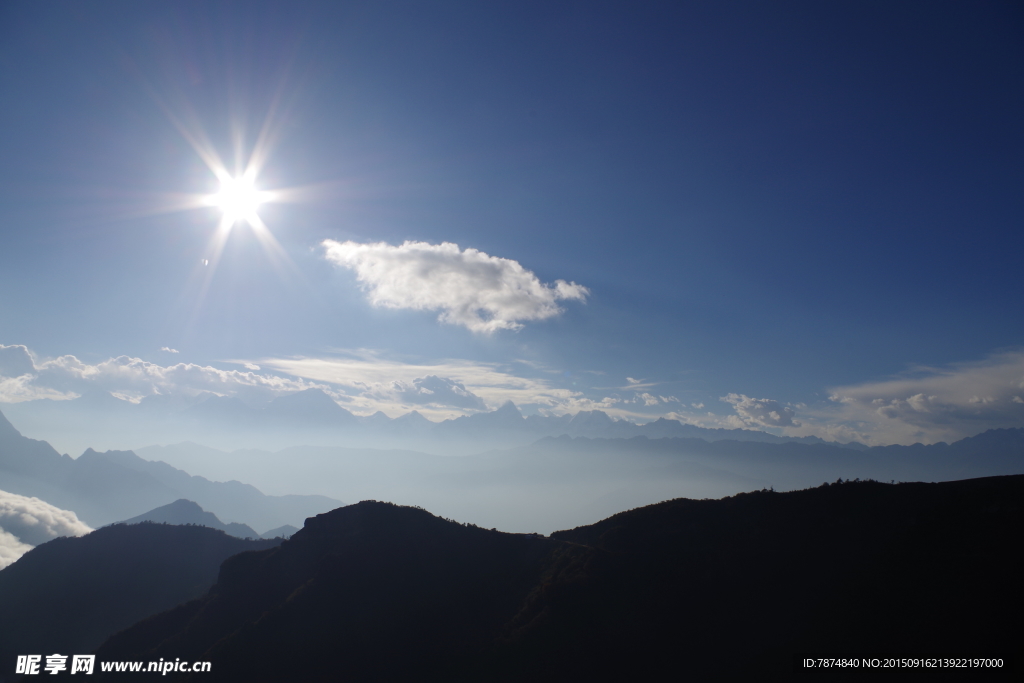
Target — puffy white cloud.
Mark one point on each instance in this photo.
(26, 522)
(35, 521)
(761, 412)
(18, 375)
(470, 288)
(11, 549)
(168, 349)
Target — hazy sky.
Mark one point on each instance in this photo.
(721, 212)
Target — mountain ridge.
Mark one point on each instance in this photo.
(183, 511)
(69, 595)
(376, 591)
(102, 488)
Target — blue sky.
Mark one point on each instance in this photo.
(753, 207)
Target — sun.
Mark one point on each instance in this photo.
(238, 199)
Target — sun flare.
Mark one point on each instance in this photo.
(239, 199)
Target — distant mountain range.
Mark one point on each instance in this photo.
(730, 589)
(187, 512)
(557, 482)
(102, 488)
(311, 417)
(70, 594)
(286, 532)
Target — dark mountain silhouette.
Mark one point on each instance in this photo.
(184, 511)
(102, 488)
(70, 594)
(392, 577)
(992, 453)
(728, 589)
(286, 531)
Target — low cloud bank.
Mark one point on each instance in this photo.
(11, 549)
(26, 522)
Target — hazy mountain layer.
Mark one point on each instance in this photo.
(718, 589)
(286, 531)
(563, 482)
(68, 595)
(311, 417)
(187, 512)
(102, 488)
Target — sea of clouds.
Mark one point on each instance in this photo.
(27, 522)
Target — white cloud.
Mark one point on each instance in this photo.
(11, 549)
(439, 392)
(15, 361)
(18, 375)
(168, 349)
(132, 379)
(470, 288)
(761, 412)
(375, 383)
(926, 404)
(708, 419)
(26, 522)
(633, 384)
(362, 381)
(651, 400)
(24, 388)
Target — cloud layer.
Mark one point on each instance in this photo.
(761, 412)
(470, 288)
(11, 549)
(27, 522)
(441, 389)
(362, 381)
(926, 404)
(930, 404)
(131, 379)
(433, 391)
